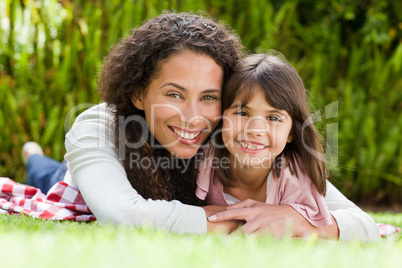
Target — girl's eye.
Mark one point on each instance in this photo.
(274, 118)
(209, 97)
(241, 113)
(174, 95)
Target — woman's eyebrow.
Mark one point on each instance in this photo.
(173, 85)
(213, 90)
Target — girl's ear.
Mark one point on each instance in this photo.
(137, 101)
(290, 138)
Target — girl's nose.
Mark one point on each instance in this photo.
(257, 126)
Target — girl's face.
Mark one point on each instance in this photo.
(256, 133)
(183, 103)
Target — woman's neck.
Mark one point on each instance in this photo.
(249, 182)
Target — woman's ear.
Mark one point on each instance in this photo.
(137, 101)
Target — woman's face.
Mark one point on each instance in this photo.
(182, 103)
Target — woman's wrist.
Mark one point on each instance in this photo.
(325, 232)
(226, 227)
(301, 227)
(329, 231)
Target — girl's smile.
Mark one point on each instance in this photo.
(251, 147)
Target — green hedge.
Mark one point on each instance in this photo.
(349, 54)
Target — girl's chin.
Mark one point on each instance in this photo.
(252, 163)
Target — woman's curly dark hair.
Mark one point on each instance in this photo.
(128, 70)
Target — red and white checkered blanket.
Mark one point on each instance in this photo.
(62, 202)
(387, 229)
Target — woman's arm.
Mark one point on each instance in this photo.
(277, 220)
(102, 181)
(353, 223)
(225, 227)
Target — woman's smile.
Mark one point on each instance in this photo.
(187, 136)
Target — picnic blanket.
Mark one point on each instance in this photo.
(387, 229)
(64, 202)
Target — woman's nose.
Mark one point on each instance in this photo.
(193, 115)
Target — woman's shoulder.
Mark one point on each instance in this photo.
(91, 126)
(100, 111)
(94, 116)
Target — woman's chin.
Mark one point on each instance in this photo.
(184, 153)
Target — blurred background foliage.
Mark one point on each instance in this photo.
(349, 53)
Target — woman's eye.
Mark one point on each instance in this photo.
(174, 95)
(209, 97)
(274, 118)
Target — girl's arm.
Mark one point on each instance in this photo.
(103, 183)
(349, 222)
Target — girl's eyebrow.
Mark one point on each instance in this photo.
(240, 105)
(213, 90)
(277, 111)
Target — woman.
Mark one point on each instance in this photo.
(134, 158)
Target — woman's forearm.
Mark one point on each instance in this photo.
(329, 231)
(353, 223)
(225, 227)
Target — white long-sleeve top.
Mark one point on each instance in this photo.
(94, 167)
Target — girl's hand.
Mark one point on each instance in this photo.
(276, 220)
(222, 226)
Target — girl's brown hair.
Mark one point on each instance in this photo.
(129, 69)
(283, 90)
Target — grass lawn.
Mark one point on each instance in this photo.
(27, 242)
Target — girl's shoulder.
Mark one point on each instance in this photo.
(293, 174)
(208, 150)
(291, 188)
(205, 171)
(205, 160)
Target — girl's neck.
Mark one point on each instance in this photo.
(249, 182)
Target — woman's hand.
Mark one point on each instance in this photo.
(222, 226)
(276, 220)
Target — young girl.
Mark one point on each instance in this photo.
(265, 139)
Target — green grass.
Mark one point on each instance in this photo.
(39, 243)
